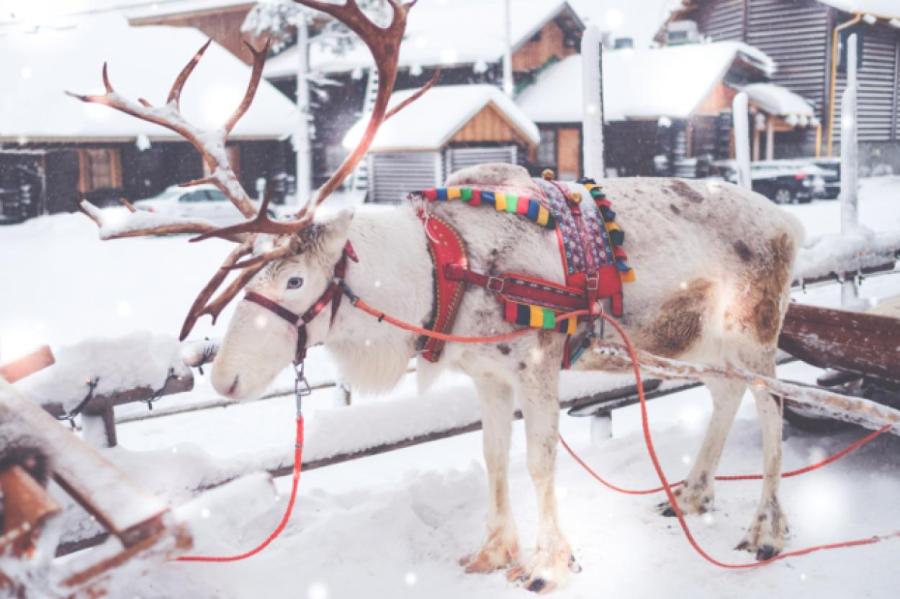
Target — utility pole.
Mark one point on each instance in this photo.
(849, 165)
(739, 109)
(508, 82)
(302, 140)
(592, 103)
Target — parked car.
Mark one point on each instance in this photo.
(832, 176)
(782, 181)
(200, 201)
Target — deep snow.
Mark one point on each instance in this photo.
(393, 525)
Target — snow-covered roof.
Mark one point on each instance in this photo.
(432, 120)
(778, 100)
(50, 12)
(37, 68)
(438, 32)
(879, 8)
(639, 84)
(639, 20)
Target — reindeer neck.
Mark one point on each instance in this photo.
(394, 274)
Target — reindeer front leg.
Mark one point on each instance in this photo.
(552, 561)
(501, 548)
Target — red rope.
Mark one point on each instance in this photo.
(731, 477)
(667, 487)
(298, 461)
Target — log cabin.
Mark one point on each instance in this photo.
(439, 35)
(55, 150)
(807, 39)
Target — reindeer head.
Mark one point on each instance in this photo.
(289, 263)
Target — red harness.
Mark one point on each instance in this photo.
(517, 291)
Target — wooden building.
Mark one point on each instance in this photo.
(666, 110)
(805, 38)
(439, 35)
(55, 150)
(415, 150)
(219, 20)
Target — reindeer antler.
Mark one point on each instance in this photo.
(211, 145)
(383, 43)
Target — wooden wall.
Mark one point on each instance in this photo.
(548, 43)
(568, 153)
(719, 99)
(490, 125)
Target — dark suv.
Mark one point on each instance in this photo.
(782, 181)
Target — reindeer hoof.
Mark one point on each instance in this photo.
(666, 510)
(536, 585)
(766, 552)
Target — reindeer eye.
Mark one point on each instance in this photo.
(294, 283)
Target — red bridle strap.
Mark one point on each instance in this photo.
(332, 295)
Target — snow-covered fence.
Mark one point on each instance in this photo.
(91, 378)
(846, 256)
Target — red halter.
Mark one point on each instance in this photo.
(332, 295)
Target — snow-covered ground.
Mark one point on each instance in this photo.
(393, 525)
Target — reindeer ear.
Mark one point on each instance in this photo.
(334, 232)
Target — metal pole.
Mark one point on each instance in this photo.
(303, 143)
(739, 109)
(508, 82)
(592, 103)
(849, 164)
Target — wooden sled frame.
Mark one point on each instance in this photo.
(142, 524)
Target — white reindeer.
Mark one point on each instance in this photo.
(713, 264)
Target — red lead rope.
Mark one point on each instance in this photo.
(667, 487)
(645, 422)
(298, 462)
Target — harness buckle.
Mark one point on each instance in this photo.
(301, 386)
(592, 283)
(495, 284)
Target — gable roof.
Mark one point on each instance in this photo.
(440, 32)
(639, 84)
(143, 61)
(418, 126)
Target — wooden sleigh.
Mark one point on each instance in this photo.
(139, 522)
(862, 385)
(861, 351)
(143, 530)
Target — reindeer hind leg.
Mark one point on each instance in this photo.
(696, 495)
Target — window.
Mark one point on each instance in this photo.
(546, 153)
(99, 169)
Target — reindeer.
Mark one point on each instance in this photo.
(714, 264)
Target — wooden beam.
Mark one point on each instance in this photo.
(92, 480)
(26, 508)
(26, 365)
